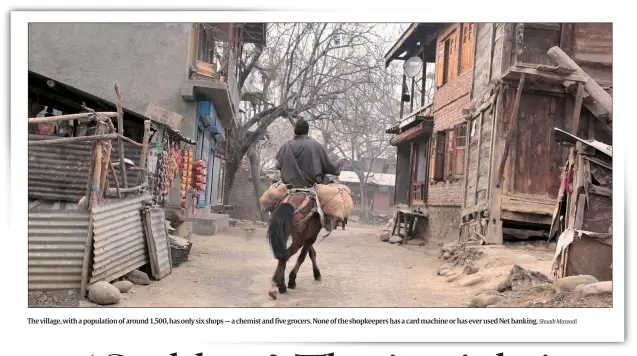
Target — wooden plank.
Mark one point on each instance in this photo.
(527, 206)
(475, 209)
(466, 167)
(508, 40)
(481, 120)
(554, 69)
(599, 95)
(577, 109)
(499, 108)
(566, 37)
(143, 173)
(511, 133)
(120, 130)
(543, 26)
(596, 189)
(579, 214)
(530, 218)
(84, 115)
(557, 77)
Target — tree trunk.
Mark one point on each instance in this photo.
(364, 210)
(255, 172)
(233, 162)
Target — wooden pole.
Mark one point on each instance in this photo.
(122, 137)
(114, 174)
(112, 191)
(142, 159)
(60, 141)
(577, 109)
(97, 168)
(601, 97)
(402, 103)
(120, 130)
(107, 162)
(512, 130)
(84, 115)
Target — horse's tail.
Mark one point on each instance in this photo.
(280, 228)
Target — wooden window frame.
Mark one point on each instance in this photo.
(468, 35)
(438, 154)
(460, 145)
(417, 187)
(447, 58)
(450, 144)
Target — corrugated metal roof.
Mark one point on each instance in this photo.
(56, 248)
(160, 259)
(60, 172)
(374, 178)
(119, 243)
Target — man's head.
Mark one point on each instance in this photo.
(301, 127)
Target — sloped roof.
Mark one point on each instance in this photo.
(386, 179)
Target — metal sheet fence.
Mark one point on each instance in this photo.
(56, 248)
(119, 242)
(157, 239)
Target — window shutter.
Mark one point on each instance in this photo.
(461, 149)
(440, 63)
(439, 156)
(468, 35)
(450, 156)
(452, 66)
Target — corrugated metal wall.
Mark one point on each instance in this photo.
(60, 172)
(119, 240)
(158, 243)
(56, 248)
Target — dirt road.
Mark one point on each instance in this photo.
(358, 270)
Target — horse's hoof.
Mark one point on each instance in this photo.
(317, 275)
(282, 289)
(272, 294)
(291, 284)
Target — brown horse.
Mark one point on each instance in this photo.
(295, 215)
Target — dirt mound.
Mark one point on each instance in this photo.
(550, 299)
(523, 279)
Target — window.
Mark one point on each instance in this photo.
(419, 171)
(449, 154)
(447, 59)
(460, 148)
(468, 36)
(439, 156)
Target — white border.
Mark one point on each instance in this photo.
(594, 324)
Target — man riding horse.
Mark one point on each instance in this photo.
(303, 163)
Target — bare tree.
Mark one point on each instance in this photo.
(357, 124)
(305, 67)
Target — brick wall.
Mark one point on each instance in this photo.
(445, 194)
(449, 101)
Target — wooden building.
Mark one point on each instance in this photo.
(529, 78)
(481, 156)
(430, 137)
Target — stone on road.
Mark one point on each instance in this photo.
(104, 293)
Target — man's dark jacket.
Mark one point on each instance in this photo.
(304, 162)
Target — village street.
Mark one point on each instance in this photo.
(358, 270)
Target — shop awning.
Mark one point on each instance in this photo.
(425, 128)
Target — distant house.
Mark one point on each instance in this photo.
(380, 191)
